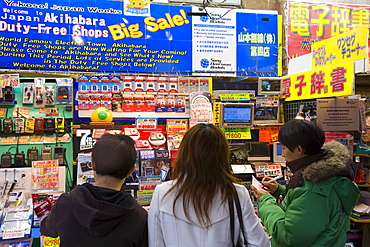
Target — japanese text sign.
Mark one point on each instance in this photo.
(309, 23)
(348, 46)
(330, 81)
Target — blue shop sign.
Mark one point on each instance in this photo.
(128, 37)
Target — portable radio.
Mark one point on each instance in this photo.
(19, 160)
(8, 125)
(6, 160)
(49, 125)
(46, 153)
(32, 155)
(59, 154)
(59, 124)
(30, 125)
(39, 126)
(19, 125)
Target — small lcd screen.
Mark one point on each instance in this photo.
(270, 85)
(237, 114)
(279, 149)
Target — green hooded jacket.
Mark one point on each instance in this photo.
(316, 213)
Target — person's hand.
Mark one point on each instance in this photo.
(271, 187)
(258, 193)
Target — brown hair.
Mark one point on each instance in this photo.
(202, 170)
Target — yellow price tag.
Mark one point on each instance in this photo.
(237, 133)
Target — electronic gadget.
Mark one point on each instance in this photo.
(39, 126)
(59, 154)
(6, 160)
(46, 153)
(28, 89)
(258, 151)
(8, 94)
(266, 114)
(63, 94)
(30, 125)
(19, 125)
(39, 100)
(59, 124)
(236, 115)
(32, 155)
(49, 124)
(49, 95)
(8, 125)
(86, 166)
(277, 152)
(269, 85)
(19, 159)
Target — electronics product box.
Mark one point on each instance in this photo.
(139, 105)
(204, 84)
(173, 85)
(64, 95)
(183, 85)
(193, 85)
(28, 92)
(171, 102)
(139, 84)
(128, 102)
(128, 84)
(149, 103)
(162, 166)
(160, 103)
(94, 102)
(162, 85)
(180, 103)
(147, 163)
(150, 84)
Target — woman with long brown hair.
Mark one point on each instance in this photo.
(192, 209)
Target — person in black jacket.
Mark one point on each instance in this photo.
(101, 214)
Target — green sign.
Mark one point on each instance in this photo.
(234, 97)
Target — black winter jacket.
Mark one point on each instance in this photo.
(95, 216)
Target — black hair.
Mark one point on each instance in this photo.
(304, 133)
(114, 155)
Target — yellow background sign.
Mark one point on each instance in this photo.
(237, 133)
(348, 46)
(330, 81)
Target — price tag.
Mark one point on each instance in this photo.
(8, 234)
(146, 123)
(237, 133)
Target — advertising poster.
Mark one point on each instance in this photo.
(45, 174)
(310, 22)
(338, 114)
(117, 36)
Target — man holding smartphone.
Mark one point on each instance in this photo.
(320, 195)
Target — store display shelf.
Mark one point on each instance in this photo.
(87, 114)
(359, 221)
(363, 185)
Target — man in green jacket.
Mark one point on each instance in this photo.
(320, 196)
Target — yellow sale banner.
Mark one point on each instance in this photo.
(330, 81)
(348, 46)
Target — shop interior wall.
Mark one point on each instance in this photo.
(34, 112)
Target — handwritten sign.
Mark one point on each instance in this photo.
(10, 80)
(201, 111)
